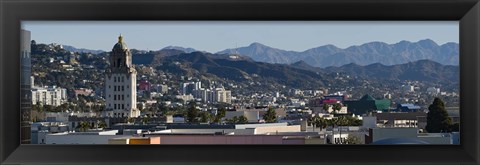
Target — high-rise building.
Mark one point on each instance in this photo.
(50, 95)
(121, 83)
(25, 86)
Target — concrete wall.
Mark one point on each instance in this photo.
(244, 126)
(273, 129)
(79, 139)
(227, 131)
(383, 133)
(242, 139)
(369, 122)
(118, 141)
(436, 140)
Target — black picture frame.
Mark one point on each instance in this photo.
(13, 11)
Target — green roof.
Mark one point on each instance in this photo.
(367, 97)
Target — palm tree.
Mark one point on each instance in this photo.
(320, 123)
(310, 122)
(101, 124)
(84, 126)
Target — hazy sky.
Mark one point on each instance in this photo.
(213, 36)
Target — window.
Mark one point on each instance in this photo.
(114, 97)
(114, 88)
(123, 97)
(123, 89)
(115, 106)
(127, 86)
(114, 79)
(122, 79)
(109, 105)
(109, 87)
(128, 96)
(123, 106)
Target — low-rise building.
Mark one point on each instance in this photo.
(94, 137)
(406, 136)
(401, 119)
(366, 104)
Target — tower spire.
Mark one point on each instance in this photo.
(120, 38)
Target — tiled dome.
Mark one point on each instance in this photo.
(120, 44)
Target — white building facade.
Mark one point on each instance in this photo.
(121, 83)
(51, 95)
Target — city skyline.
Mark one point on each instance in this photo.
(155, 35)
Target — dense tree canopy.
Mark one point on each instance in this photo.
(192, 113)
(437, 117)
(270, 116)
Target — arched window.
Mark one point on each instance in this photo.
(119, 60)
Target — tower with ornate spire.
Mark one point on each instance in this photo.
(121, 83)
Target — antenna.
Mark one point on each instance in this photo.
(236, 47)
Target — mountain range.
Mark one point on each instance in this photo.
(365, 54)
(330, 55)
(238, 70)
(299, 74)
(186, 50)
(82, 50)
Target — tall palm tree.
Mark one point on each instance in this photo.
(320, 123)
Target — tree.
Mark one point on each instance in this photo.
(270, 116)
(101, 124)
(84, 126)
(205, 117)
(455, 127)
(352, 139)
(325, 107)
(145, 119)
(242, 120)
(437, 117)
(140, 106)
(192, 113)
(130, 119)
(220, 114)
(233, 120)
(321, 123)
(337, 107)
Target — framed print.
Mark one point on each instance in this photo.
(249, 82)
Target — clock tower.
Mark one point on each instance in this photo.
(121, 83)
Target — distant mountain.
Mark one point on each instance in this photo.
(81, 50)
(369, 53)
(186, 50)
(422, 70)
(240, 70)
(305, 66)
(152, 57)
(263, 53)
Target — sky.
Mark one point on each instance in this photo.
(214, 36)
